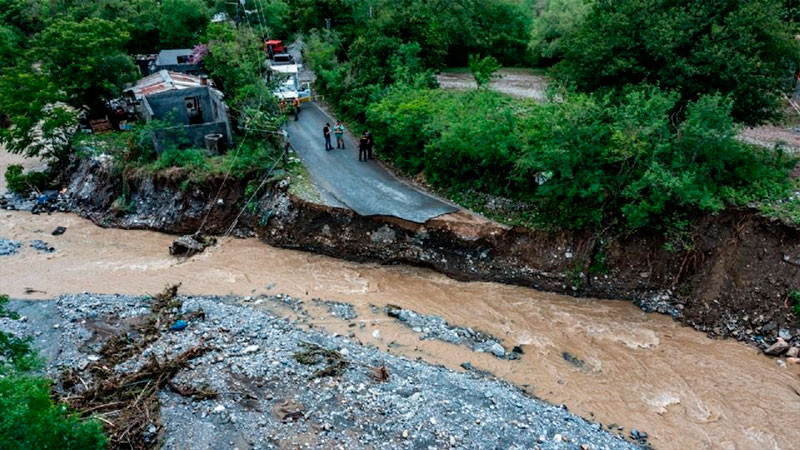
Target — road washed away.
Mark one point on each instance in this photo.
(605, 360)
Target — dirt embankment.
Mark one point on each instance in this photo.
(734, 283)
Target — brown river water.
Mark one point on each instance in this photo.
(642, 371)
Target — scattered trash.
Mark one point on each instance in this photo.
(129, 401)
(59, 231)
(179, 326)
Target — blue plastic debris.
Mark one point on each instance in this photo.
(179, 325)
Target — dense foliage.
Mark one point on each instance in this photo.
(375, 44)
(585, 162)
(30, 419)
(556, 20)
(741, 49)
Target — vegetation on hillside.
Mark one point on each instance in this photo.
(640, 130)
(73, 58)
(642, 133)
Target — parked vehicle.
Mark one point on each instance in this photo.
(273, 47)
(284, 72)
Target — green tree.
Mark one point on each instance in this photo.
(558, 19)
(483, 69)
(10, 51)
(741, 49)
(86, 60)
(183, 23)
(42, 122)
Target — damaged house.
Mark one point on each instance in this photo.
(195, 107)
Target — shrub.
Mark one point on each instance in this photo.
(193, 159)
(23, 183)
(483, 69)
(30, 419)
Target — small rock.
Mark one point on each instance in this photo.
(433, 421)
(251, 349)
(793, 352)
(58, 231)
(376, 334)
(557, 438)
(497, 350)
(219, 409)
(785, 334)
(778, 348)
(93, 358)
(405, 434)
(780, 363)
(793, 361)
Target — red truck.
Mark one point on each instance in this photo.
(274, 46)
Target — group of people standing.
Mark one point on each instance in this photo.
(365, 142)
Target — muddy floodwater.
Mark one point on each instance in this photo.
(636, 370)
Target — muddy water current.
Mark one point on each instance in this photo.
(637, 370)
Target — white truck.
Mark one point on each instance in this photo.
(284, 72)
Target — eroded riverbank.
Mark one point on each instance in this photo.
(640, 370)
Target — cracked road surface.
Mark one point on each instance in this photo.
(366, 188)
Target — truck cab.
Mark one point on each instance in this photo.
(284, 73)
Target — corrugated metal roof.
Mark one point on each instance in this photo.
(163, 81)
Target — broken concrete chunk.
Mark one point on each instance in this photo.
(189, 245)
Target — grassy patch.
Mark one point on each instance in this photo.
(301, 185)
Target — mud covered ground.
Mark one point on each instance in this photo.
(254, 380)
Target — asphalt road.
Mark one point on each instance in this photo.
(366, 188)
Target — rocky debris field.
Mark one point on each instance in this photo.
(236, 377)
(434, 327)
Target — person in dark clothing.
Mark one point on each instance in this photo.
(296, 108)
(370, 143)
(326, 131)
(363, 147)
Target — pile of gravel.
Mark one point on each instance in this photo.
(435, 327)
(268, 398)
(9, 247)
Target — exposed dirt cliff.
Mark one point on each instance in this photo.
(735, 282)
